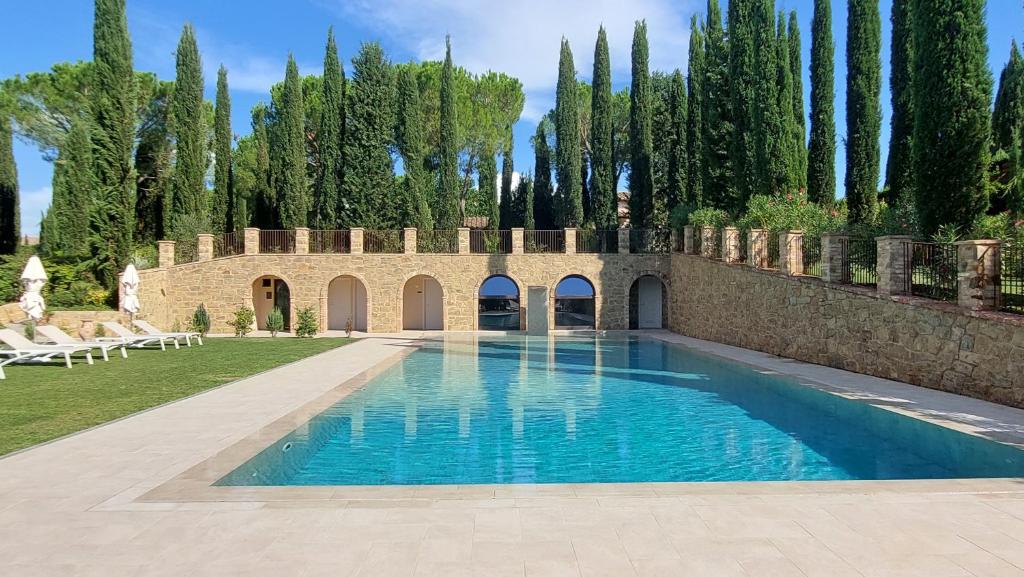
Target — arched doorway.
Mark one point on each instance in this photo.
(574, 303)
(346, 301)
(268, 292)
(498, 304)
(422, 304)
(647, 303)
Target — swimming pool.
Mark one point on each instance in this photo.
(593, 410)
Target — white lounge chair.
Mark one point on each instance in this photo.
(22, 349)
(130, 339)
(153, 331)
(62, 338)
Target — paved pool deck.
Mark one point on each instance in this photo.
(130, 498)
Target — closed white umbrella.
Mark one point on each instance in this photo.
(32, 280)
(130, 282)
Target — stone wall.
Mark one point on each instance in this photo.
(169, 295)
(925, 343)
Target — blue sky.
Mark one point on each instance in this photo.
(517, 37)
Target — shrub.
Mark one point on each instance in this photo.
(71, 286)
(244, 319)
(100, 331)
(145, 256)
(713, 217)
(30, 330)
(200, 321)
(792, 212)
(680, 216)
(275, 321)
(898, 218)
(306, 324)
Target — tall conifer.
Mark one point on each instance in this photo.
(293, 194)
(641, 177)
(507, 216)
(543, 195)
(189, 180)
(719, 185)
(694, 120)
(73, 186)
(899, 171)
(265, 205)
(10, 208)
(327, 191)
(770, 137)
(223, 208)
(1009, 105)
(412, 146)
(602, 160)
(797, 71)
(447, 198)
(568, 153)
(863, 108)
(746, 74)
(677, 158)
(821, 150)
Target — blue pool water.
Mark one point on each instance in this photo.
(591, 410)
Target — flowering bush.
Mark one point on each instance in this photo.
(713, 217)
(792, 212)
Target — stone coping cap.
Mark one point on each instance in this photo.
(895, 237)
(794, 231)
(979, 242)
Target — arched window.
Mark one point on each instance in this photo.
(574, 303)
(498, 305)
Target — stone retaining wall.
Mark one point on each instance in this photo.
(925, 343)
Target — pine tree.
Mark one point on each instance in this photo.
(797, 72)
(677, 159)
(507, 217)
(412, 146)
(1009, 105)
(265, 206)
(113, 113)
(223, 208)
(789, 149)
(952, 90)
(863, 108)
(327, 191)
(73, 185)
(641, 177)
(543, 204)
(770, 137)
(899, 173)
(568, 154)
(10, 208)
(694, 121)
(291, 182)
(369, 130)
(719, 185)
(447, 199)
(747, 75)
(821, 151)
(189, 181)
(602, 153)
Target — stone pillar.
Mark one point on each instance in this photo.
(355, 240)
(791, 252)
(570, 241)
(978, 269)
(517, 241)
(204, 248)
(833, 257)
(707, 241)
(463, 241)
(252, 241)
(165, 253)
(301, 241)
(757, 247)
(730, 244)
(409, 240)
(893, 266)
(688, 239)
(623, 241)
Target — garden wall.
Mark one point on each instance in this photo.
(925, 343)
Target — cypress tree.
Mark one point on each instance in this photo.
(369, 131)
(770, 137)
(507, 218)
(526, 194)
(797, 72)
(113, 112)
(543, 203)
(602, 153)
(10, 208)
(447, 199)
(223, 209)
(189, 180)
(327, 191)
(677, 161)
(291, 183)
(747, 77)
(641, 177)
(568, 154)
(412, 146)
(789, 150)
(899, 173)
(952, 90)
(264, 211)
(821, 150)
(487, 185)
(719, 186)
(694, 121)
(863, 108)
(73, 184)
(1009, 104)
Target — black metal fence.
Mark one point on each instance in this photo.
(1011, 285)
(932, 270)
(490, 241)
(544, 240)
(679, 242)
(437, 241)
(597, 241)
(330, 241)
(228, 244)
(277, 241)
(649, 241)
(744, 248)
(812, 255)
(383, 241)
(772, 250)
(698, 241)
(860, 256)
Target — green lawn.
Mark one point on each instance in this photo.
(43, 402)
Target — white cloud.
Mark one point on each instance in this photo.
(33, 205)
(522, 38)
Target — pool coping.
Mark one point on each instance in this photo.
(963, 414)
